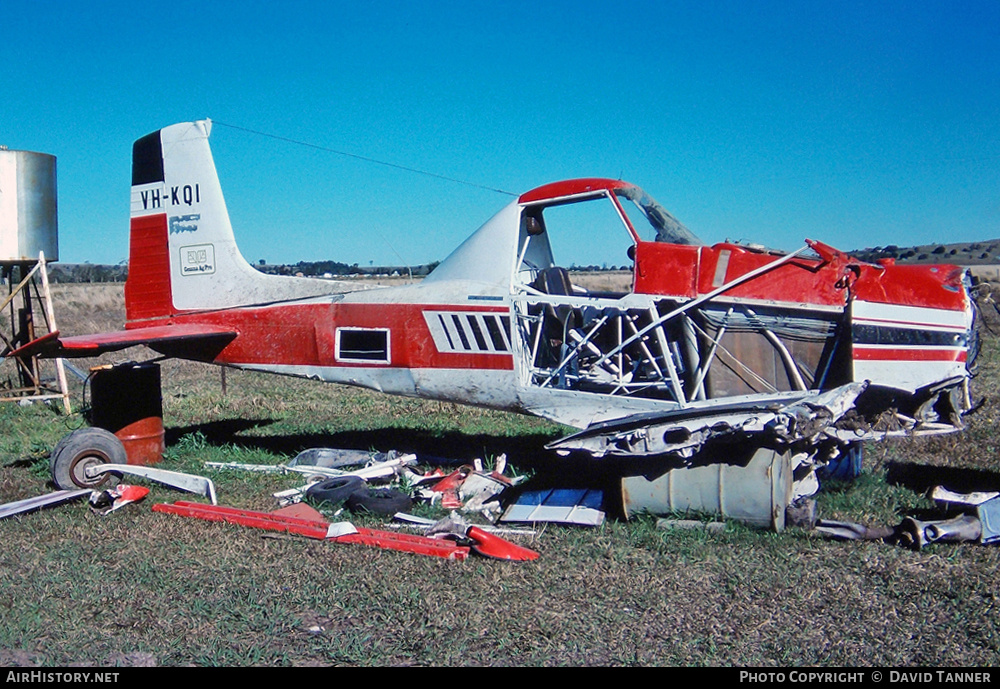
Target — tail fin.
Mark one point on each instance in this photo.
(182, 252)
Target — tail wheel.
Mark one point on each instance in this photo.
(84, 448)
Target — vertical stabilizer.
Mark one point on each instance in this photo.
(182, 254)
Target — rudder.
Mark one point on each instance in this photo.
(183, 254)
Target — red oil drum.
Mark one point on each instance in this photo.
(126, 400)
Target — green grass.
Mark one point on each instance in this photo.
(142, 588)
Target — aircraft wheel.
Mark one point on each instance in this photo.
(81, 449)
(336, 490)
(385, 501)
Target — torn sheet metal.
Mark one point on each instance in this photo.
(425, 524)
(383, 469)
(175, 479)
(944, 497)
(107, 501)
(782, 422)
(479, 493)
(980, 525)
(485, 541)
(448, 487)
(331, 458)
(36, 503)
(469, 488)
(916, 534)
(758, 493)
(563, 506)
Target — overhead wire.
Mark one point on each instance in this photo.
(366, 159)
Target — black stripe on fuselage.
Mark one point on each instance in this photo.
(886, 335)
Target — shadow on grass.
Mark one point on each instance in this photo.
(444, 447)
(920, 478)
(436, 448)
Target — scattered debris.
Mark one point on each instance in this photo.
(485, 542)
(801, 514)
(107, 501)
(340, 532)
(492, 546)
(31, 504)
(425, 524)
(849, 531)
(301, 511)
(982, 525)
(337, 458)
(468, 488)
(448, 487)
(565, 506)
(335, 490)
(916, 534)
(175, 479)
(380, 469)
(945, 497)
(383, 501)
(291, 496)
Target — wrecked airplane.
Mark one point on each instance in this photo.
(798, 356)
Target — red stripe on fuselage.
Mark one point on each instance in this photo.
(896, 354)
(305, 335)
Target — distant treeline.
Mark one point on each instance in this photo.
(97, 272)
(986, 252)
(338, 269)
(86, 272)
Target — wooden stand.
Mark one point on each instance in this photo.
(26, 382)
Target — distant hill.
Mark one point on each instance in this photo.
(986, 252)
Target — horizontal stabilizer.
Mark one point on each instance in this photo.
(193, 341)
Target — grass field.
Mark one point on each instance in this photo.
(141, 588)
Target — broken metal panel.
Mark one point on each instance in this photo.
(758, 493)
(564, 506)
(175, 479)
(781, 420)
(36, 503)
(989, 516)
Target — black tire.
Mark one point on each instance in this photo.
(384, 501)
(80, 449)
(335, 490)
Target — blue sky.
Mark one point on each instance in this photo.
(856, 123)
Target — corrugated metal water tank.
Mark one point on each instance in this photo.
(28, 217)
